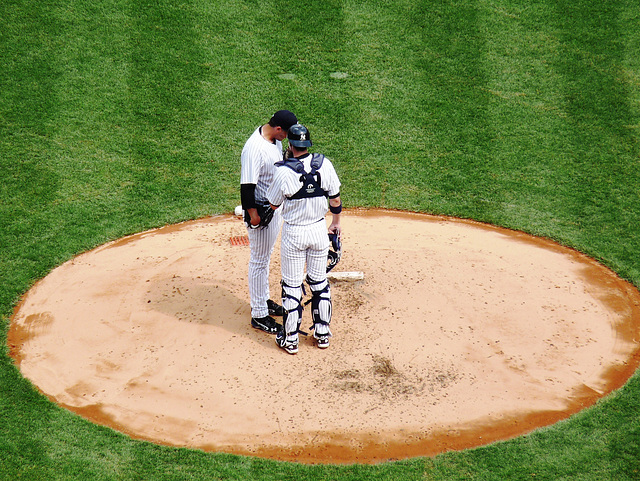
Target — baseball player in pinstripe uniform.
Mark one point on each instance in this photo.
(301, 185)
(261, 151)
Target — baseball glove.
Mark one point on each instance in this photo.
(265, 212)
(336, 253)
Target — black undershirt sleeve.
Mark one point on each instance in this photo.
(248, 196)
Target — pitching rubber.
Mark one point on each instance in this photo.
(346, 276)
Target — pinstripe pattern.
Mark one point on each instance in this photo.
(257, 159)
(304, 244)
(261, 243)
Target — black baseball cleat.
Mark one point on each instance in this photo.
(275, 309)
(267, 324)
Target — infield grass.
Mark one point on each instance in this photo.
(120, 116)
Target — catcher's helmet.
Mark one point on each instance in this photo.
(299, 136)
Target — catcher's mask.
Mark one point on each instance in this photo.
(299, 136)
(334, 255)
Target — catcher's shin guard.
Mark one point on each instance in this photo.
(292, 303)
(320, 306)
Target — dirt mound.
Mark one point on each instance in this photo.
(459, 335)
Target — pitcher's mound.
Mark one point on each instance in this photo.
(460, 334)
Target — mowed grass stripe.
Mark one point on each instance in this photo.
(120, 116)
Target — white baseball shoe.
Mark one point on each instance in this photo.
(323, 341)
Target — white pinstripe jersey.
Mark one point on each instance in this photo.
(305, 211)
(257, 159)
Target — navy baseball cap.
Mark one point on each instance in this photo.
(284, 119)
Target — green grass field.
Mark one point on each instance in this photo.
(120, 115)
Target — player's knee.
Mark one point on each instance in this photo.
(318, 286)
(259, 264)
(291, 294)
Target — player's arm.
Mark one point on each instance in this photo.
(335, 207)
(248, 200)
(251, 160)
(275, 196)
(335, 202)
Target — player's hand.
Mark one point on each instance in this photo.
(254, 217)
(335, 229)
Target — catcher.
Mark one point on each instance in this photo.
(302, 184)
(261, 151)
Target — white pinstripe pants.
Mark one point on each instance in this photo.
(261, 242)
(302, 245)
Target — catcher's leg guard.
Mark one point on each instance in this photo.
(320, 306)
(292, 303)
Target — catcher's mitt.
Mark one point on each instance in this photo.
(265, 212)
(334, 255)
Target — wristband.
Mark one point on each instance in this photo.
(335, 210)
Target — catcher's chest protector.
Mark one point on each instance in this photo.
(310, 180)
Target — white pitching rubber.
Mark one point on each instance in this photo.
(345, 276)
